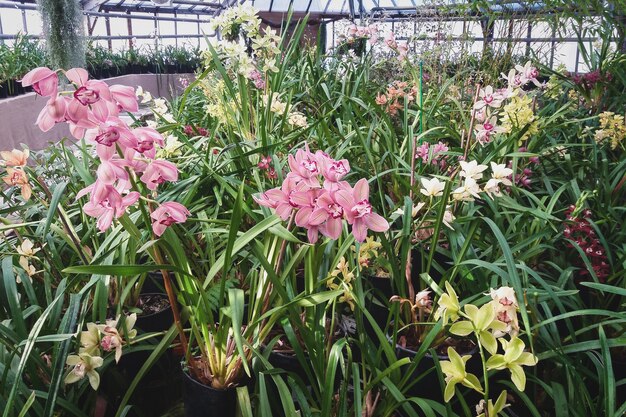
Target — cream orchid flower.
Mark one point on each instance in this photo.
(432, 187)
(455, 372)
(480, 321)
(414, 210)
(27, 249)
(448, 218)
(90, 339)
(449, 306)
(84, 364)
(513, 359)
(472, 170)
(493, 410)
(501, 173)
(468, 191)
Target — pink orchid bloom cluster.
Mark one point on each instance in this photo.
(490, 100)
(266, 164)
(315, 193)
(402, 47)
(522, 75)
(362, 32)
(92, 111)
(434, 155)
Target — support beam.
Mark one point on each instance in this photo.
(129, 27)
(107, 24)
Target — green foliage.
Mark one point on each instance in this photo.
(250, 286)
(63, 29)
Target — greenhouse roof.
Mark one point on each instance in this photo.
(332, 9)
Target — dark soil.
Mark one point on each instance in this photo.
(152, 303)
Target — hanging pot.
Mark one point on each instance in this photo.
(203, 401)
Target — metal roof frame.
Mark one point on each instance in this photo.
(333, 9)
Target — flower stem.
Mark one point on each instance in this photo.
(485, 376)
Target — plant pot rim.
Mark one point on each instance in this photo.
(188, 375)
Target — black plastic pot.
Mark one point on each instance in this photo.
(11, 88)
(155, 322)
(417, 266)
(160, 388)
(287, 362)
(4, 90)
(203, 401)
(154, 282)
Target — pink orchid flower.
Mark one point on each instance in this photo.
(265, 162)
(157, 172)
(167, 214)
(125, 97)
(403, 50)
(373, 30)
(281, 199)
(107, 135)
(53, 113)
(90, 95)
(18, 178)
(328, 215)
(358, 211)
(305, 167)
(306, 202)
(106, 203)
(486, 129)
(112, 170)
(45, 82)
(333, 171)
(489, 98)
(390, 41)
(146, 138)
